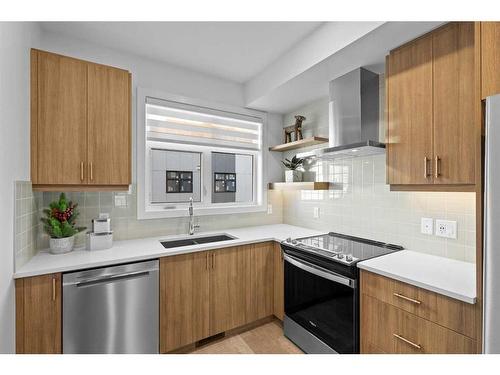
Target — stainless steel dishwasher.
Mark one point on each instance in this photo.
(112, 309)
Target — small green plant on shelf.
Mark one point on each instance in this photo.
(60, 218)
(293, 164)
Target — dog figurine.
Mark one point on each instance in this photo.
(295, 129)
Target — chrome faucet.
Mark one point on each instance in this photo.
(192, 227)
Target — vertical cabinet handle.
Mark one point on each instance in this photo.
(206, 261)
(53, 289)
(81, 171)
(437, 166)
(213, 260)
(426, 167)
(91, 172)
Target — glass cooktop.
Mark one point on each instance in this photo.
(342, 248)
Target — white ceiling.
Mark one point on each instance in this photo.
(236, 51)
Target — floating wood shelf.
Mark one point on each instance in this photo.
(311, 141)
(300, 185)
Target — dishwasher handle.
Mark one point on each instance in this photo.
(110, 278)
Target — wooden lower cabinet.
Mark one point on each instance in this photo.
(229, 286)
(279, 282)
(39, 314)
(393, 324)
(184, 300)
(261, 298)
(207, 293)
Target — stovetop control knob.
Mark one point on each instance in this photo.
(289, 239)
(340, 256)
(348, 258)
(294, 242)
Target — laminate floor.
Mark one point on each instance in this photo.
(265, 339)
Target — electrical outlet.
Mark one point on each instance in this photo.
(120, 200)
(426, 225)
(316, 213)
(269, 209)
(446, 228)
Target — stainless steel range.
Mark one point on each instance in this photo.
(321, 290)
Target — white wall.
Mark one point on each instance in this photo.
(160, 76)
(147, 73)
(15, 41)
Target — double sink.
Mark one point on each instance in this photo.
(196, 240)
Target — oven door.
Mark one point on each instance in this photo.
(323, 303)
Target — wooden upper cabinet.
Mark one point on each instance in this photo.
(432, 104)
(184, 300)
(80, 124)
(409, 114)
(454, 112)
(490, 58)
(108, 125)
(61, 119)
(39, 315)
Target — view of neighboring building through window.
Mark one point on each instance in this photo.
(233, 176)
(213, 156)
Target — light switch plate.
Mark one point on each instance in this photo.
(269, 209)
(427, 226)
(316, 213)
(446, 228)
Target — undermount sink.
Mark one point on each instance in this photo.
(196, 240)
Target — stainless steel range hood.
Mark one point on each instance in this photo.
(353, 117)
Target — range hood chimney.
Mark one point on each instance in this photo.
(353, 117)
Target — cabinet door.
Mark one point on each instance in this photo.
(409, 113)
(38, 314)
(109, 125)
(61, 119)
(279, 282)
(490, 58)
(261, 303)
(378, 322)
(229, 288)
(454, 94)
(184, 300)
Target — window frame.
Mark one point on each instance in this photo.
(145, 210)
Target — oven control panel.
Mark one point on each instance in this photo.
(332, 254)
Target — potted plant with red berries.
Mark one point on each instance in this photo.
(60, 224)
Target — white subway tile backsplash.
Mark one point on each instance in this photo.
(124, 223)
(26, 222)
(366, 207)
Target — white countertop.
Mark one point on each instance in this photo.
(150, 248)
(452, 278)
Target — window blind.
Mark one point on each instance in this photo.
(181, 123)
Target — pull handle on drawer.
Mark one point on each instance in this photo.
(415, 301)
(411, 343)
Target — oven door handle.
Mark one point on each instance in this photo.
(319, 271)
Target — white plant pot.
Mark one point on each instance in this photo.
(293, 176)
(61, 245)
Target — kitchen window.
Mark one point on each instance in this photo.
(192, 149)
